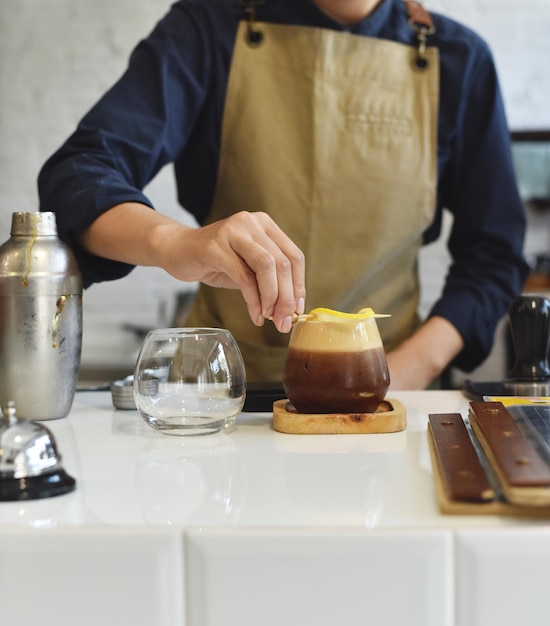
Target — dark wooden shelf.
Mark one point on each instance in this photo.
(525, 136)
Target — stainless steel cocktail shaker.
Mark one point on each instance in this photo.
(40, 319)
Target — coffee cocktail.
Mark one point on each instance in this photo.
(336, 363)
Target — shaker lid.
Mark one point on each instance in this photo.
(38, 223)
(30, 465)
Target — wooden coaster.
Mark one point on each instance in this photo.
(390, 417)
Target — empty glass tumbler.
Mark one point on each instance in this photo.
(189, 381)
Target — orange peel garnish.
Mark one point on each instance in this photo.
(321, 313)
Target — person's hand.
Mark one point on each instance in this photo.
(245, 251)
(421, 358)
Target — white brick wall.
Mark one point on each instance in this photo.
(517, 32)
(57, 57)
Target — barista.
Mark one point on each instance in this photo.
(317, 143)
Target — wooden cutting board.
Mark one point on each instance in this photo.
(390, 417)
(474, 477)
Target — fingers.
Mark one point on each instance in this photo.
(248, 251)
(278, 266)
(293, 269)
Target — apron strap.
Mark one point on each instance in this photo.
(421, 22)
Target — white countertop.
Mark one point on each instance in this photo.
(128, 474)
(255, 527)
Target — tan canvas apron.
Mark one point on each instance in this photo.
(334, 135)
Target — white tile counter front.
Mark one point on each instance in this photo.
(253, 527)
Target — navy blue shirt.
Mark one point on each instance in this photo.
(168, 107)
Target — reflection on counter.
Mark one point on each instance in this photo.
(338, 486)
(337, 477)
(181, 482)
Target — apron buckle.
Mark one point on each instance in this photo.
(421, 62)
(421, 22)
(254, 37)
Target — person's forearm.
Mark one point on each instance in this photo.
(131, 233)
(424, 356)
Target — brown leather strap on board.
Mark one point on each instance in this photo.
(418, 14)
(518, 460)
(461, 472)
